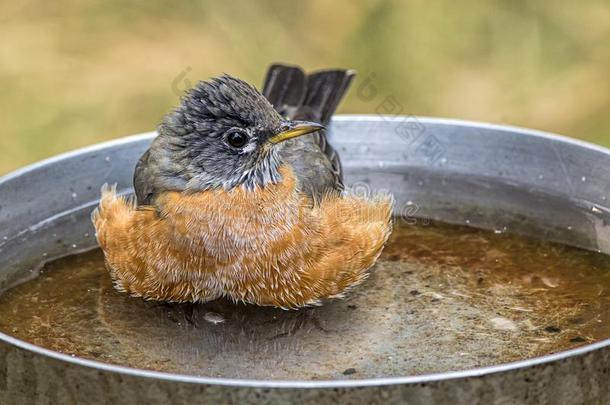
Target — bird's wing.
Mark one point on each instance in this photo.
(313, 97)
(143, 181)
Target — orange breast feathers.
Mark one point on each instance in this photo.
(269, 246)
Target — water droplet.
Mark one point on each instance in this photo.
(497, 231)
(409, 202)
(107, 158)
(73, 246)
(214, 317)
(467, 221)
(583, 178)
(603, 198)
(569, 228)
(5, 237)
(86, 234)
(74, 195)
(541, 176)
(443, 160)
(381, 164)
(45, 254)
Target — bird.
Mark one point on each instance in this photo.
(241, 196)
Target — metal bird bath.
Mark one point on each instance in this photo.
(486, 176)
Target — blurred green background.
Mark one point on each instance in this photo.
(75, 72)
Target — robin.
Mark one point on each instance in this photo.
(238, 199)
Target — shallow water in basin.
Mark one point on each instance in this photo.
(440, 298)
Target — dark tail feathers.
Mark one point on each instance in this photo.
(313, 97)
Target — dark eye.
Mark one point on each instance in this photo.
(237, 139)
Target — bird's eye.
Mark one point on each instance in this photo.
(237, 139)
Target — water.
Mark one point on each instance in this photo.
(441, 298)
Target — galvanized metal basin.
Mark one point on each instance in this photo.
(486, 176)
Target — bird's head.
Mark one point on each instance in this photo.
(224, 134)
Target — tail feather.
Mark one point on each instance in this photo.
(325, 90)
(285, 88)
(299, 96)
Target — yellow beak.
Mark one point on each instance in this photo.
(292, 129)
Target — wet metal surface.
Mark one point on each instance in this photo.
(492, 177)
(442, 298)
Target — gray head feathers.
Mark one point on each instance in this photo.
(194, 150)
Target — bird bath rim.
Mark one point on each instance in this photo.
(342, 383)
